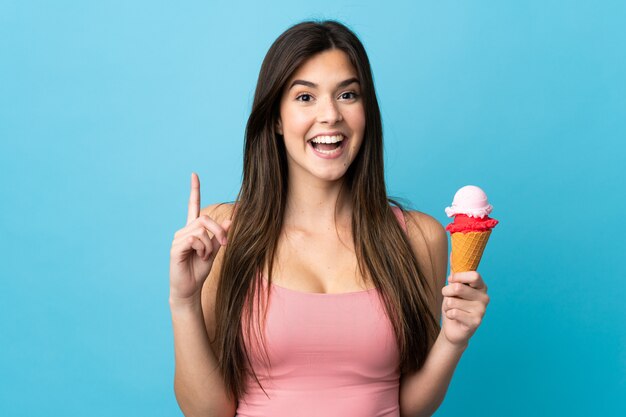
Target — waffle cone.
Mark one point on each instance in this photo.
(467, 249)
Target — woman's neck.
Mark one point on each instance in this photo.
(311, 206)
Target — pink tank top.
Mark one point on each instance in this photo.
(331, 355)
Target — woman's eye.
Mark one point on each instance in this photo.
(349, 95)
(304, 97)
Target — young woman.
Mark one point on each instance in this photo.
(312, 295)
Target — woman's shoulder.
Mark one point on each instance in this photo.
(218, 211)
(424, 224)
(429, 241)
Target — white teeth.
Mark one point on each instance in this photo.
(327, 139)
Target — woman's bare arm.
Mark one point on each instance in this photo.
(198, 384)
(422, 392)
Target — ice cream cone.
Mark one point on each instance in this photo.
(467, 249)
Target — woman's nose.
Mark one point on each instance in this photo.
(329, 112)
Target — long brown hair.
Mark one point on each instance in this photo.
(383, 251)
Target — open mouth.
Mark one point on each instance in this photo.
(328, 145)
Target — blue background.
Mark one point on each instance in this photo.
(107, 107)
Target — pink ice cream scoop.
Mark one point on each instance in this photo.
(471, 201)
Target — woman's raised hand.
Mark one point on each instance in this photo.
(194, 248)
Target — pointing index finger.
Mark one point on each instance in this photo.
(194, 199)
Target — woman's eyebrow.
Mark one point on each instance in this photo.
(313, 85)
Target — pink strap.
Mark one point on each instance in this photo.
(400, 217)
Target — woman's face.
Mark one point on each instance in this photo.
(322, 103)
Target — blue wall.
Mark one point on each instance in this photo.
(107, 107)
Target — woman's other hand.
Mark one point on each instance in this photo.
(464, 304)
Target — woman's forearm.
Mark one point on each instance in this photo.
(423, 392)
(197, 382)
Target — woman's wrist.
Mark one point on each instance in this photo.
(453, 347)
(191, 304)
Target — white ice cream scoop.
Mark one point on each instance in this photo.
(471, 201)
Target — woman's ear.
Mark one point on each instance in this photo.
(279, 127)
